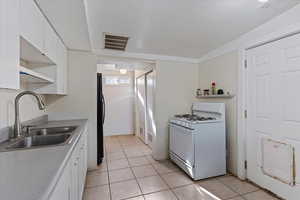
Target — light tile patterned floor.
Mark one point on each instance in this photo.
(129, 172)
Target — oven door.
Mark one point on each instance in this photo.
(182, 143)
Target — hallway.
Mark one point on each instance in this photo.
(129, 172)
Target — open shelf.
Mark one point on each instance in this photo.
(221, 96)
(33, 56)
(30, 76)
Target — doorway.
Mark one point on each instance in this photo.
(145, 88)
(273, 116)
(141, 107)
(128, 90)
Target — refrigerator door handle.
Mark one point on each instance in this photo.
(103, 108)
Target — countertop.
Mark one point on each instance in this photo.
(32, 174)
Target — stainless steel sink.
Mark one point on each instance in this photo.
(41, 141)
(52, 130)
(42, 137)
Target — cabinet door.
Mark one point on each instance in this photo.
(51, 40)
(32, 24)
(62, 189)
(61, 68)
(9, 44)
(65, 70)
(58, 72)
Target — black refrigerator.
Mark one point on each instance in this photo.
(100, 119)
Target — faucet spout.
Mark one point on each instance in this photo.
(17, 126)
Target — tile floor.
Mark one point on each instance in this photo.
(129, 172)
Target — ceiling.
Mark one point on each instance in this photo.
(183, 28)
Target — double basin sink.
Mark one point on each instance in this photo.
(43, 137)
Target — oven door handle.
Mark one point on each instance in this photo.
(190, 130)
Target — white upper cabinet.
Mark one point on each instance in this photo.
(32, 23)
(57, 72)
(28, 39)
(62, 68)
(36, 30)
(50, 47)
(9, 44)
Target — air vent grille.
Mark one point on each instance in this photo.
(115, 42)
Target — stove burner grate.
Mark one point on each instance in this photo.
(190, 117)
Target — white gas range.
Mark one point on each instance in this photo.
(198, 140)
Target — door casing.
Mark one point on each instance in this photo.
(242, 91)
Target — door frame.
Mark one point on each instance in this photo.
(136, 78)
(153, 108)
(243, 90)
(136, 86)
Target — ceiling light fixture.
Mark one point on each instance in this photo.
(263, 1)
(110, 66)
(123, 71)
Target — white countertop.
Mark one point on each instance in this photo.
(32, 174)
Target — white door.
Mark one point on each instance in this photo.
(151, 129)
(273, 125)
(141, 104)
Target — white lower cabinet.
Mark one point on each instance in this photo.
(71, 183)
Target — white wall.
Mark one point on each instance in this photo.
(81, 99)
(223, 70)
(119, 118)
(176, 85)
(28, 108)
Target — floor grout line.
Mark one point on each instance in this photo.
(258, 189)
(170, 189)
(238, 194)
(159, 175)
(136, 179)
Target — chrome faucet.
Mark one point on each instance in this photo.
(18, 126)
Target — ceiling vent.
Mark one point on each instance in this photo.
(115, 42)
